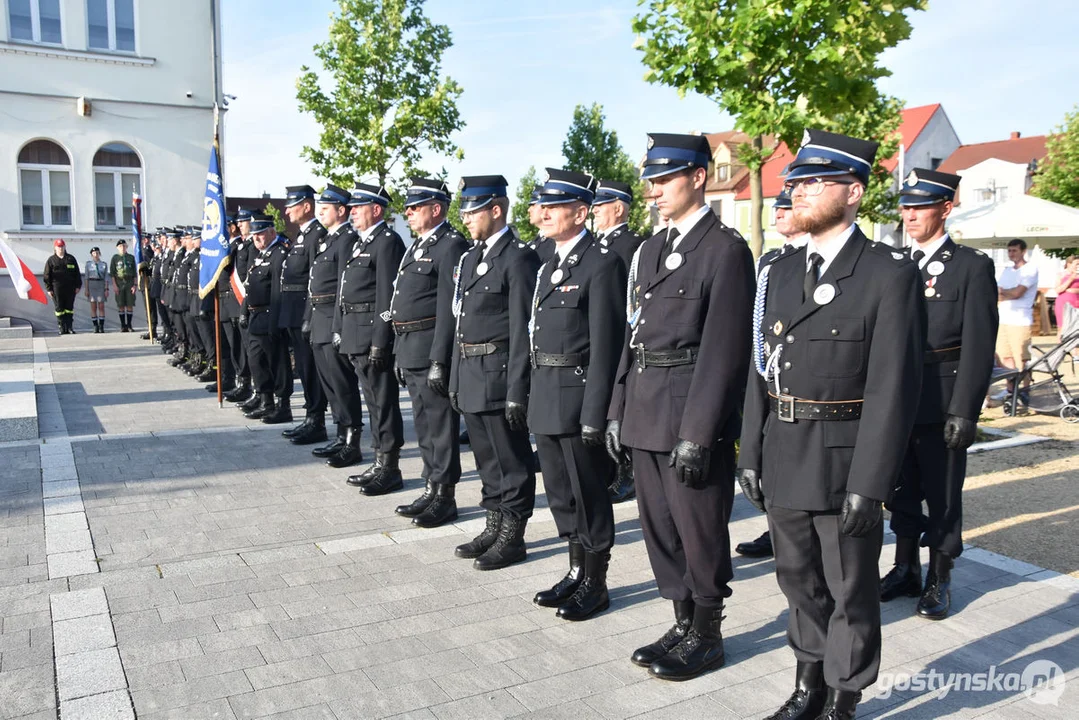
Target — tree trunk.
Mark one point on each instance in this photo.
(756, 202)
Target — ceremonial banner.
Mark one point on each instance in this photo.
(215, 248)
(136, 227)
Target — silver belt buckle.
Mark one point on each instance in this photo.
(785, 411)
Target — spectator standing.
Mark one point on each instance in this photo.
(1017, 286)
(1067, 294)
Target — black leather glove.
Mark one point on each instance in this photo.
(592, 437)
(517, 415)
(335, 339)
(750, 480)
(613, 439)
(379, 359)
(305, 328)
(690, 463)
(959, 432)
(400, 375)
(859, 515)
(438, 379)
(243, 321)
(454, 404)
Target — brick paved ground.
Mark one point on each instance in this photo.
(244, 579)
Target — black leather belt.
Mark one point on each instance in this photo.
(293, 287)
(358, 307)
(663, 358)
(933, 357)
(323, 299)
(403, 328)
(480, 349)
(224, 293)
(258, 308)
(553, 360)
(789, 408)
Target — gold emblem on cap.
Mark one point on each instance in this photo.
(777, 328)
(912, 178)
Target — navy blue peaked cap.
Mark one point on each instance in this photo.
(823, 154)
(927, 187)
(668, 153)
(566, 186)
(476, 191)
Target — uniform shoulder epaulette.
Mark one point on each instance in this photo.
(780, 254)
(888, 251)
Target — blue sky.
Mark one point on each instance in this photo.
(995, 65)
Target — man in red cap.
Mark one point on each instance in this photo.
(63, 280)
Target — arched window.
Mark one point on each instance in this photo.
(45, 185)
(117, 177)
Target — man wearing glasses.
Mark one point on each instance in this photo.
(839, 331)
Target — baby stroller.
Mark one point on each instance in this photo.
(1047, 393)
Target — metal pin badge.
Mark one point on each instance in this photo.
(418, 254)
(557, 276)
(824, 294)
(674, 260)
(935, 268)
(482, 268)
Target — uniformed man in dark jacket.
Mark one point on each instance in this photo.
(157, 286)
(169, 270)
(267, 351)
(578, 329)
(960, 295)
(228, 317)
(295, 277)
(839, 336)
(489, 377)
(63, 280)
(335, 372)
(611, 212)
(245, 255)
(422, 316)
(196, 310)
(178, 303)
(676, 400)
(202, 309)
(543, 246)
(146, 272)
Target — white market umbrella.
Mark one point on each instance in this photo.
(1039, 222)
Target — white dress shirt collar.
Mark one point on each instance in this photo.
(830, 251)
(490, 242)
(930, 249)
(430, 233)
(365, 235)
(686, 225)
(566, 248)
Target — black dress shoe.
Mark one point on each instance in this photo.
(509, 547)
(683, 618)
(807, 700)
(699, 651)
(264, 408)
(480, 544)
(418, 505)
(251, 403)
(349, 453)
(330, 448)
(297, 429)
(369, 473)
(622, 488)
(242, 393)
(759, 548)
(936, 601)
(386, 480)
(905, 577)
(441, 510)
(591, 596)
(282, 413)
(563, 589)
(840, 705)
(210, 373)
(313, 433)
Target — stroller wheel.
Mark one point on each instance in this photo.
(1007, 407)
(1070, 413)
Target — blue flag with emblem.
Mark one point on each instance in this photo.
(136, 228)
(214, 253)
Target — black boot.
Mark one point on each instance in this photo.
(331, 448)
(387, 478)
(622, 488)
(313, 433)
(207, 375)
(563, 589)
(759, 548)
(509, 547)
(683, 618)
(368, 473)
(227, 386)
(251, 403)
(840, 705)
(264, 408)
(281, 414)
(479, 544)
(441, 510)
(905, 577)
(349, 454)
(297, 429)
(591, 596)
(243, 391)
(418, 505)
(937, 598)
(807, 700)
(701, 649)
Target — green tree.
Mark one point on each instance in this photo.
(388, 102)
(590, 147)
(1057, 177)
(776, 66)
(880, 121)
(519, 209)
(278, 220)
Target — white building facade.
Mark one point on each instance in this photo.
(100, 99)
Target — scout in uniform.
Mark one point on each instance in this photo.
(676, 399)
(363, 333)
(960, 295)
(124, 275)
(839, 332)
(489, 378)
(576, 337)
(335, 372)
(422, 316)
(97, 288)
(295, 277)
(62, 281)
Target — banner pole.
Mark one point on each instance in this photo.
(217, 341)
(146, 296)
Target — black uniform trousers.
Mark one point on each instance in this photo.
(206, 336)
(178, 325)
(685, 530)
(933, 473)
(271, 371)
(162, 311)
(438, 430)
(314, 398)
(339, 382)
(63, 300)
(191, 330)
(504, 460)
(383, 398)
(232, 345)
(832, 584)
(245, 360)
(575, 478)
(152, 320)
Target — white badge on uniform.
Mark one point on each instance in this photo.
(824, 294)
(935, 268)
(673, 261)
(930, 292)
(557, 276)
(482, 268)
(418, 254)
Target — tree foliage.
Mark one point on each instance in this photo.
(1057, 178)
(382, 101)
(879, 121)
(278, 220)
(519, 209)
(776, 66)
(590, 147)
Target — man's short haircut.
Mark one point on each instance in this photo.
(504, 203)
(1021, 244)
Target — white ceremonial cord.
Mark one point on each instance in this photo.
(535, 304)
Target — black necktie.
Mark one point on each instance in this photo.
(668, 245)
(917, 257)
(810, 282)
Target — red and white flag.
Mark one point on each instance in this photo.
(26, 284)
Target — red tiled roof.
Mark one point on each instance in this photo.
(1016, 150)
(911, 125)
(771, 174)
